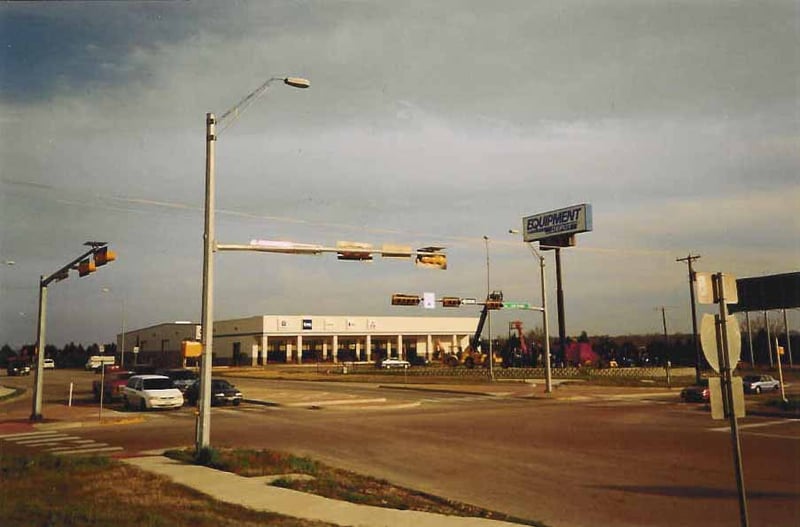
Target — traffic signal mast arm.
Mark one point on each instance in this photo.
(426, 256)
(63, 273)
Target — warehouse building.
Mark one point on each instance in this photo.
(261, 340)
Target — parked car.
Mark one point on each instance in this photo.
(760, 383)
(113, 385)
(222, 392)
(49, 363)
(698, 393)
(151, 391)
(395, 363)
(181, 377)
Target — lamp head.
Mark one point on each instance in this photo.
(297, 82)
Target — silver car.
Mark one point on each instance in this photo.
(760, 383)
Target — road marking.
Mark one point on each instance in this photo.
(88, 451)
(752, 425)
(58, 443)
(774, 436)
(27, 434)
(40, 439)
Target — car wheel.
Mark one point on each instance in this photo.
(236, 402)
(758, 389)
(125, 403)
(142, 405)
(96, 395)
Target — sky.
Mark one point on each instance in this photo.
(426, 123)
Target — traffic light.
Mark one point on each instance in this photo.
(451, 301)
(406, 300)
(103, 256)
(362, 252)
(433, 261)
(431, 257)
(494, 304)
(86, 267)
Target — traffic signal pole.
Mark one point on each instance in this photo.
(61, 274)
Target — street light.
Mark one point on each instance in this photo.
(203, 431)
(548, 376)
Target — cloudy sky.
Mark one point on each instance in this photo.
(427, 123)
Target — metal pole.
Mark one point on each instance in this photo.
(664, 322)
(122, 353)
(769, 340)
(788, 340)
(562, 331)
(780, 370)
(548, 375)
(727, 393)
(750, 339)
(38, 375)
(489, 312)
(204, 419)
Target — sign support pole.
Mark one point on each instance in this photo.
(727, 393)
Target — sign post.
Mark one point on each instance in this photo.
(728, 347)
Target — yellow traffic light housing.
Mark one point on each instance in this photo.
(86, 267)
(406, 300)
(432, 261)
(451, 301)
(103, 256)
(494, 304)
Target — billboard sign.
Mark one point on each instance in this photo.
(561, 222)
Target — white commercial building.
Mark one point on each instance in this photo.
(260, 340)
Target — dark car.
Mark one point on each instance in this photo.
(18, 367)
(181, 377)
(698, 393)
(222, 392)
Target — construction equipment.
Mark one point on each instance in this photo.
(472, 356)
(517, 353)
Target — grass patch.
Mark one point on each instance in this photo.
(792, 404)
(332, 482)
(45, 490)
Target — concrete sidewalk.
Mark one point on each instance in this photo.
(255, 494)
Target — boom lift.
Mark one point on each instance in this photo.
(472, 356)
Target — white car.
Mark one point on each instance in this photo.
(49, 363)
(151, 391)
(395, 363)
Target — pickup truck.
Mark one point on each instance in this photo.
(112, 386)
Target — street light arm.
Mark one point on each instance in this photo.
(235, 112)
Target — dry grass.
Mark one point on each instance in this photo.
(84, 492)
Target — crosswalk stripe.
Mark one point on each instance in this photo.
(89, 451)
(28, 434)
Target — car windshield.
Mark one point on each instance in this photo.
(157, 384)
(221, 385)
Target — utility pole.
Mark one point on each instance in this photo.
(690, 258)
(664, 322)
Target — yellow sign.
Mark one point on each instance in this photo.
(191, 349)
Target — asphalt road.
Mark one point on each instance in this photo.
(627, 461)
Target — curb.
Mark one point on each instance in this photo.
(436, 390)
